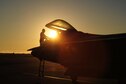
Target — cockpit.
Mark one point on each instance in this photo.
(60, 25)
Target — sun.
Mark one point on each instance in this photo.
(53, 34)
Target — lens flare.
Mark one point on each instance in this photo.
(53, 34)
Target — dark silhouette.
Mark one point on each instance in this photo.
(87, 55)
(42, 37)
(42, 40)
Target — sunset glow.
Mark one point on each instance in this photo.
(21, 21)
(52, 34)
(59, 28)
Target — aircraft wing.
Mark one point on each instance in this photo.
(32, 48)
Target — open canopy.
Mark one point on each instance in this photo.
(60, 25)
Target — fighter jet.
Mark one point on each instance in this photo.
(85, 54)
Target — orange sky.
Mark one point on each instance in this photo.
(21, 21)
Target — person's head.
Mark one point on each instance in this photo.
(43, 30)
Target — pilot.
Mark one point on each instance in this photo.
(42, 37)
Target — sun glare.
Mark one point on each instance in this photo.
(53, 34)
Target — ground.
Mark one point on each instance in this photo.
(23, 69)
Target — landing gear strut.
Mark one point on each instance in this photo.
(41, 71)
(74, 79)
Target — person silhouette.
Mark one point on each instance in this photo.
(42, 37)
